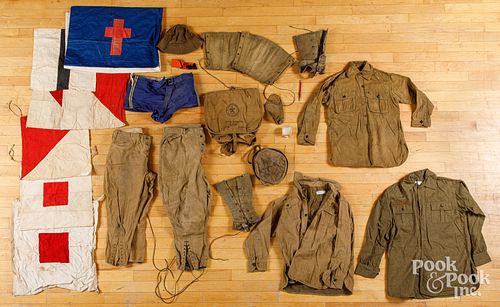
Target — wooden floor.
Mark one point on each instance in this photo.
(449, 48)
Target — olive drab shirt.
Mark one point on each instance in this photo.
(430, 228)
(315, 229)
(364, 128)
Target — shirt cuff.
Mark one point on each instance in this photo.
(421, 122)
(481, 258)
(257, 265)
(366, 271)
(334, 278)
(306, 139)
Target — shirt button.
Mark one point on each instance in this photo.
(421, 121)
(362, 86)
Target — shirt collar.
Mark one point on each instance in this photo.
(299, 179)
(354, 68)
(426, 176)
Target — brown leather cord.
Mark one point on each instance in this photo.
(165, 272)
(234, 87)
(11, 103)
(282, 89)
(251, 153)
(12, 153)
(220, 237)
(299, 28)
(213, 76)
(215, 239)
(93, 152)
(224, 235)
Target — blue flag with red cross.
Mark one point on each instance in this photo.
(113, 39)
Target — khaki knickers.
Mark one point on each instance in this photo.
(186, 193)
(128, 187)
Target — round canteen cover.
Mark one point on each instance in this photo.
(270, 165)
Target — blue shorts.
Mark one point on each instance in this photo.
(162, 96)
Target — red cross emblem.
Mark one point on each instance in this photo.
(117, 34)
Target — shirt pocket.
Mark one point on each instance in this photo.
(326, 226)
(289, 225)
(345, 102)
(404, 216)
(441, 212)
(378, 102)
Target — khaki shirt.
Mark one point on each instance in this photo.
(424, 218)
(364, 128)
(314, 226)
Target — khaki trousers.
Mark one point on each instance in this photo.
(128, 188)
(186, 193)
